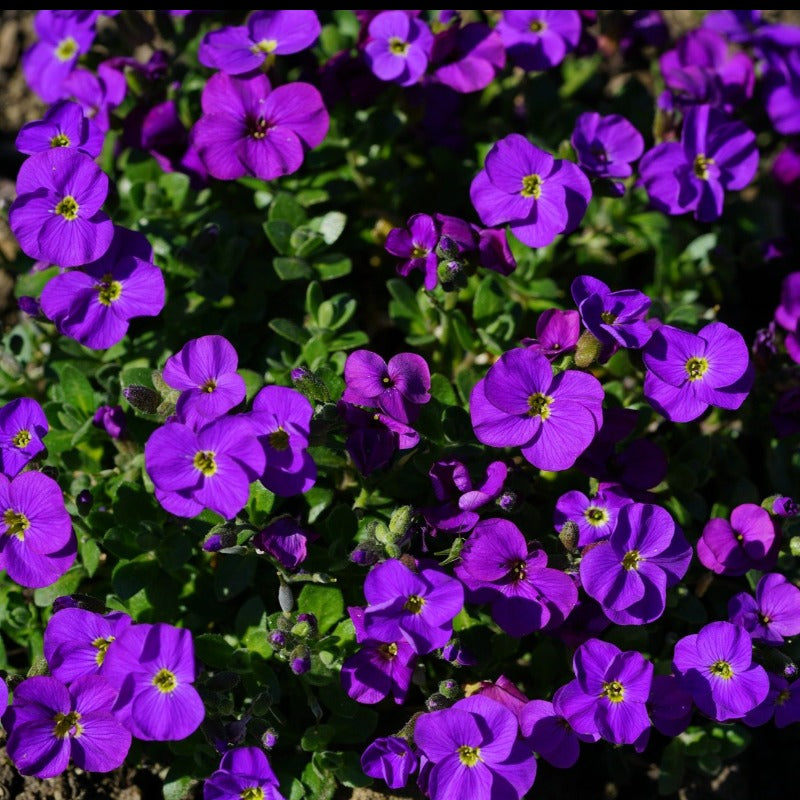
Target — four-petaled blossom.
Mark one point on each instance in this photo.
(475, 752)
(521, 403)
(417, 245)
(773, 614)
(557, 332)
(23, 425)
(687, 373)
(538, 40)
(243, 773)
(538, 195)
(64, 125)
(716, 667)
(596, 517)
(473, 54)
(391, 759)
(398, 48)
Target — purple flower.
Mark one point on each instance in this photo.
(379, 668)
(112, 420)
(616, 319)
(64, 125)
(452, 486)
(715, 667)
(521, 403)
(737, 25)
(504, 691)
(595, 517)
(630, 573)
(285, 541)
(686, 373)
(204, 370)
(540, 196)
(391, 759)
(282, 419)
(370, 442)
(95, 304)
(557, 332)
(417, 246)
(76, 641)
(97, 93)
(418, 607)
(784, 507)
(153, 667)
(247, 128)
(50, 723)
(670, 706)
(787, 314)
(498, 567)
(398, 48)
(23, 425)
(607, 146)
(56, 216)
(470, 56)
(781, 88)
(609, 694)
(749, 541)
(241, 49)
(397, 388)
(209, 468)
(37, 545)
(474, 750)
(539, 40)
(782, 702)
(243, 773)
(63, 37)
(715, 155)
(773, 615)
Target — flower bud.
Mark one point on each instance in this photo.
(142, 398)
(447, 249)
(310, 384)
(569, 536)
(278, 639)
(587, 350)
(269, 738)
(400, 521)
(285, 598)
(450, 689)
(508, 500)
(437, 701)
(84, 501)
(310, 620)
(300, 660)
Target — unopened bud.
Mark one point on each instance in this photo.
(451, 275)
(380, 531)
(587, 350)
(569, 536)
(269, 738)
(447, 249)
(508, 500)
(51, 472)
(84, 501)
(300, 660)
(285, 598)
(437, 701)
(278, 639)
(400, 521)
(39, 667)
(309, 619)
(310, 384)
(142, 398)
(450, 689)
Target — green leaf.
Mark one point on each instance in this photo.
(332, 225)
(285, 207)
(305, 242)
(66, 584)
(177, 787)
(279, 233)
(670, 777)
(287, 329)
(325, 602)
(332, 265)
(317, 737)
(314, 299)
(131, 577)
(213, 650)
(489, 300)
(292, 269)
(90, 555)
(260, 503)
(253, 382)
(77, 390)
(175, 186)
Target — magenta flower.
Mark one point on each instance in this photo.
(241, 49)
(540, 196)
(247, 128)
(468, 58)
(243, 773)
(63, 125)
(749, 541)
(95, 304)
(418, 607)
(686, 373)
(97, 92)
(596, 517)
(285, 541)
(773, 615)
(391, 759)
(417, 245)
(716, 667)
(504, 691)
(37, 545)
(539, 40)
(23, 425)
(557, 332)
(474, 750)
(153, 667)
(56, 216)
(398, 48)
(50, 723)
(112, 420)
(630, 573)
(521, 403)
(204, 370)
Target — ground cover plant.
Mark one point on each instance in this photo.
(405, 400)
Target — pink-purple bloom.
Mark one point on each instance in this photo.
(540, 196)
(521, 403)
(774, 613)
(112, 420)
(243, 772)
(596, 517)
(63, 125)
(417, 245)
(467, 58)
(539, 40)
(398, 48)
(285, 541)
(23, 425)
(557, 332)
(391, 759)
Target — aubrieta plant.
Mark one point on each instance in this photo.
(406, 399)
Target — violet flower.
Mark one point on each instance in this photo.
(398, 48)
(781, 703)
(245, 773)
(417, 245)
(370, 442)
(596, 517)
(467, 58)
(539, 40)
(97, 92)
(557, 332)
(23, 425)
(112, 420)
(285, 541)
(787, 314)
(504, 691)
(63, 125)
(773, 615)
(391, 759)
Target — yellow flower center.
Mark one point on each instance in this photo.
(204, 461)
(518, 570)
(253, 793)
(16, 523)
(165, 681)
(537, 26)
(108, 290)
(538, 405)
(66, 49)
(266, 46)
(469, 756)
(67, 725)
(388, 651)
(68, 208)
(60, 140)
(614, 691)
(279, 440)
(102, 645)
(722, 669)
(209, 386)
(631, 560)
(418, 252)
(398, 47)
(696, 368)
(596, 516)
(414, 604)
(782, 697)
(22, 438)
(532, 186)
(608, 317)
(701, 165)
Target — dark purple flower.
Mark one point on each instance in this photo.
(370, 442)
(499, 568)
(209, 468)
(782, 702)
(285, 541)
(247, 128)
(610, 692)
(630, 573)
(391, 759)
(784, 507)
(780, 86)
(774, 613)
(417, 245)
(56, 216)
(539, 40)
(37, 545)
(63, 125)
(23, 425)
(153, 667)
(715, 667)
(468, 58)
(715, 155)
(418, 607)
(95, 304)
(557, 332)
(112, 420)
(643, 28)
(97, 93)
(670, 706)
(243, 773)
(241, 49)
(50, 723)
(686, 373)
(736, 26)
(749, 541)
(596, 517)
(398, 48)
(474, 750)
(540, 196)
(521, 403)
(787, 314)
